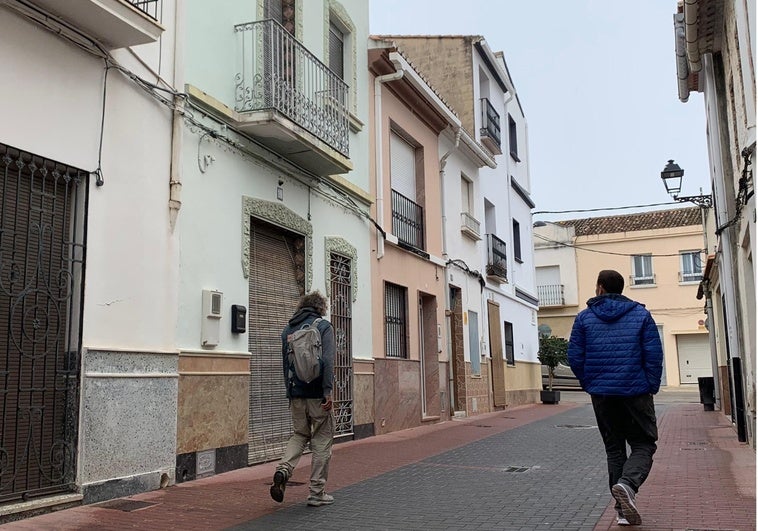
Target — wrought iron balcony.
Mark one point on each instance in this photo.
(470, 226)
(281, 83)
(490, 130)
(114, 23)
(497, 259)
(407, 221)
(551, 295)
(149, 7)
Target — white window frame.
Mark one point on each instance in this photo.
(646, 277)
(690, 258)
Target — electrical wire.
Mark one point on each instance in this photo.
(601, 209)
(580, 248)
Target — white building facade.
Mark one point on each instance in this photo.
(89, 272)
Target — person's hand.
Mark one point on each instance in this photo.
(327, 404)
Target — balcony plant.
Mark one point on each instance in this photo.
(553, 350)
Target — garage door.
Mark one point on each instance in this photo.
(694, 357)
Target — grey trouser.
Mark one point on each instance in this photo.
(310, 423)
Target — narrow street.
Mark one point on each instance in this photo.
(530, 467)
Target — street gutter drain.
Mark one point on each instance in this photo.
(516, 469)
(575, 426)
(126, 506)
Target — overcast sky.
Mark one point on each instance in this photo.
(597, 81)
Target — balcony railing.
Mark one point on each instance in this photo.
(407, 221)
(279, 73)
(470, 226)
(690, 277)
(149, 7)
(490, 130)
(497, 258)
(551, 295)
(642, 281)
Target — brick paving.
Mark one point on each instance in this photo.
(531, 467)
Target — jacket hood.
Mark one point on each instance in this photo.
(302, 315)
(611, 306)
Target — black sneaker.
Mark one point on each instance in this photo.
(277, 489)
(625, 496)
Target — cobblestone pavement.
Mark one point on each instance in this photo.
(530, 468)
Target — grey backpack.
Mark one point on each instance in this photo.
(304, 352)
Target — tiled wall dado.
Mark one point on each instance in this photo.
(213, 402)
(397, 395)
(478, 392)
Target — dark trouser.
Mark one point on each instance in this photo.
(627, 420)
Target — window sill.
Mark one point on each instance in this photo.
(642, 286)
(518, 259)
(689, 283)
(514, 156)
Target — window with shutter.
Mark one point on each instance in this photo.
(336, 50)
(402, 167)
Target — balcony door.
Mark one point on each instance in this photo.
(280, 69)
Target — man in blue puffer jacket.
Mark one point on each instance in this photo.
(615, 352)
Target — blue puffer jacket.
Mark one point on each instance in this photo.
(615, 348)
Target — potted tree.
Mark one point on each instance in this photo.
(553, 350)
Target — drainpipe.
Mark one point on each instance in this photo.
(175, 174)
(378, 153)
(448, 308)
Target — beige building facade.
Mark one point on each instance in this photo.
(659, 254)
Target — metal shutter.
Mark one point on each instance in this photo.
(402, 167)
(275, 289)
(336, 51)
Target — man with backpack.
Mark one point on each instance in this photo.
(309, 390)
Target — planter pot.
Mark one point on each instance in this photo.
(550, 397)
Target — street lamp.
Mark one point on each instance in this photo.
(672, 179)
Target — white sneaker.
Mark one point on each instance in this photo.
(620, 520)
(625, 496)
(320, 499)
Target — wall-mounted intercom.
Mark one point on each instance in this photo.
(239, 319)
(211, 316)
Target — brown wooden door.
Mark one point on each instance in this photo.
(496, 351)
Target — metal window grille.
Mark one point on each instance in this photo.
(340, 314)
(490, 121)
(497, 258)
(407, 220)
(470, 223)
(395, 321)
(509, 353)
(42, 224)
(550, 295)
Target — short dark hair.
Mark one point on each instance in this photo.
(314, 300)
(611, 281)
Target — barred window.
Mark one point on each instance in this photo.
(395, 321)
